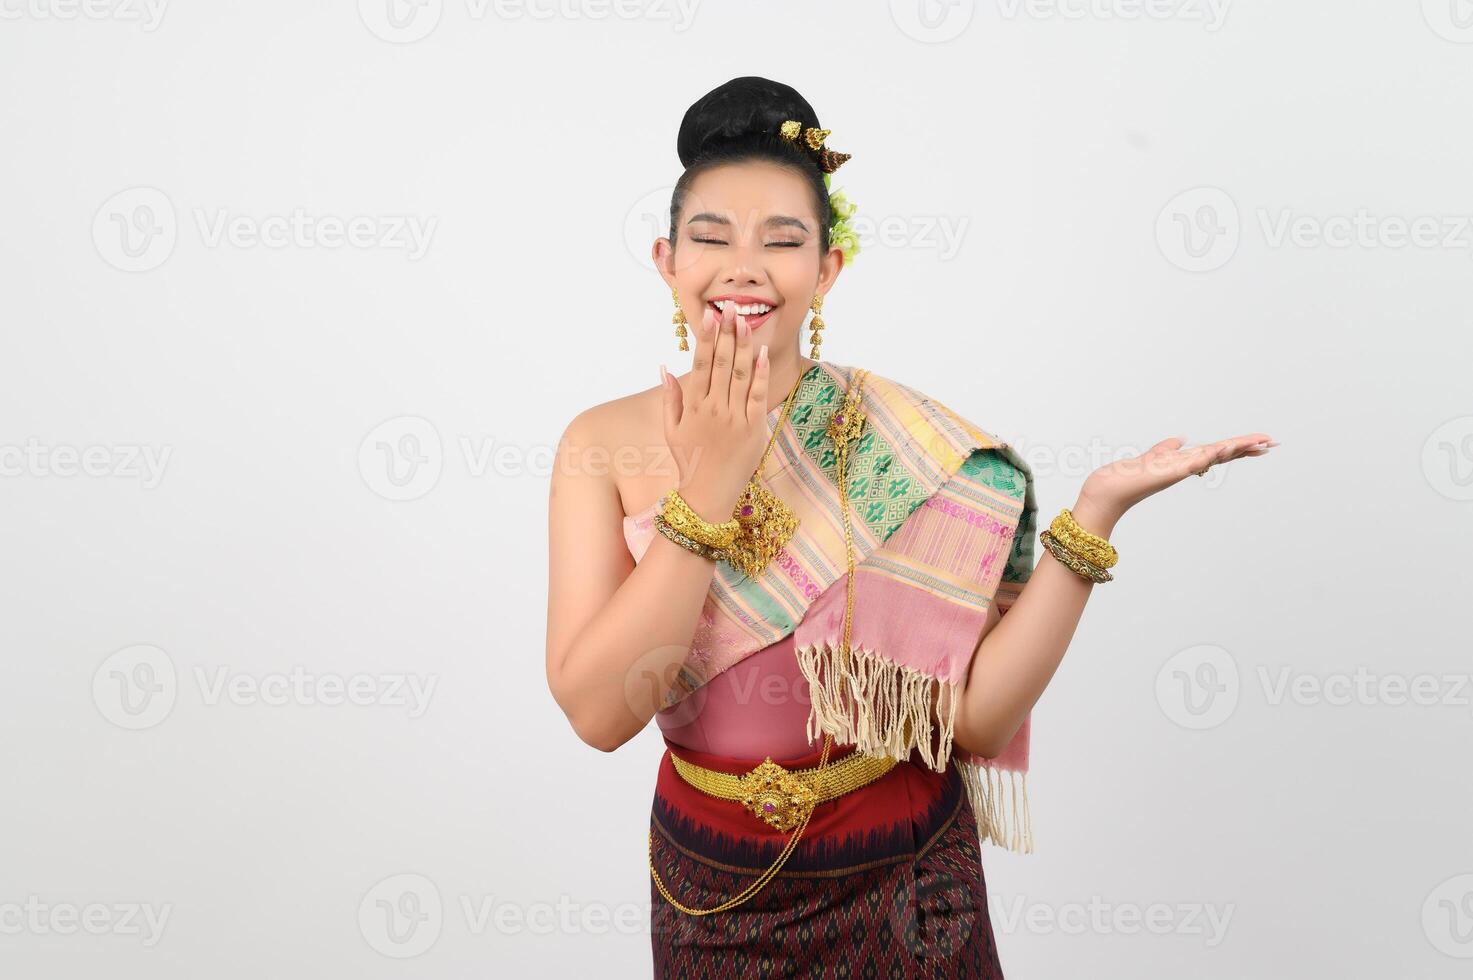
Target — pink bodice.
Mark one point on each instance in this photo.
(757, 708)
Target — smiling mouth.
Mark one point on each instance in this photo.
(754, 318)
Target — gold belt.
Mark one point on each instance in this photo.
(781, 797)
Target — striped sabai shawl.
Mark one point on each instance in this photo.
(943, 516)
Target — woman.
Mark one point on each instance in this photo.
(809, 596)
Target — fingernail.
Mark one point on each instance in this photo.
(742, 322)
(762, 354)
(663, 376)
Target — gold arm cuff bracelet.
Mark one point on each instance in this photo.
(1081, 566)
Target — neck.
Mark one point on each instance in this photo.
(783, 372)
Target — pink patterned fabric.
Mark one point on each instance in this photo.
(760, 706)
(940, 514)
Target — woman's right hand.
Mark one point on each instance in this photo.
(716, 415)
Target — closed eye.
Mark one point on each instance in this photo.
(717, 241)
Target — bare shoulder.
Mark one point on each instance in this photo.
(618, 441)
(612, 423)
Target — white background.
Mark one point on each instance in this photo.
(1066, 150)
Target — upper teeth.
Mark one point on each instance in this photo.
(753, 309)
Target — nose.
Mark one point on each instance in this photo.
(745, 267)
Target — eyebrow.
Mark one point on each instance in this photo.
(775, 220)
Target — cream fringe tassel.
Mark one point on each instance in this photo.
(886, 711)
(997, 795)
(886, 708)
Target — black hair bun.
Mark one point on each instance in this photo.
(741, 109)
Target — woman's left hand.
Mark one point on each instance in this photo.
(1113, 489)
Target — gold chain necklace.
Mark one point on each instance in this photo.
(764, 523)
(843, 428)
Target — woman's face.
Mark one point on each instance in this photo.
(748, 233)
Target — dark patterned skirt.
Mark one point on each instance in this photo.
(886, 881)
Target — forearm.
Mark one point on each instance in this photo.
(620, 666)
(1018, 657)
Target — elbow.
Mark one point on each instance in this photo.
(603, 737)
(602, 729)
(597, 730)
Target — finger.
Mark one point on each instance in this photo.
(698, 382)
(722, 356)
(757, 395)
(1195, 459)
(671, 400)
(1174, 442)
(741, 367)
(1240, 445)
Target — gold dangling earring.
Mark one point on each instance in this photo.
(679, 320)
(816, 324)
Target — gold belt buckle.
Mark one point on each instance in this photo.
(777, 796)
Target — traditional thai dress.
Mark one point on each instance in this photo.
(886, 880)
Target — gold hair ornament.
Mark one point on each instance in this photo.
(812, 139)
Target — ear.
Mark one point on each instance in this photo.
(829, 268)
(663, 254)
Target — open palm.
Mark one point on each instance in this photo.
(1126, 482)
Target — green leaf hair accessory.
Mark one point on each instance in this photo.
(841, 233)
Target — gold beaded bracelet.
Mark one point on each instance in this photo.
(1091, 547)
(689, 544)
(1082, 566)
(679, 515)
